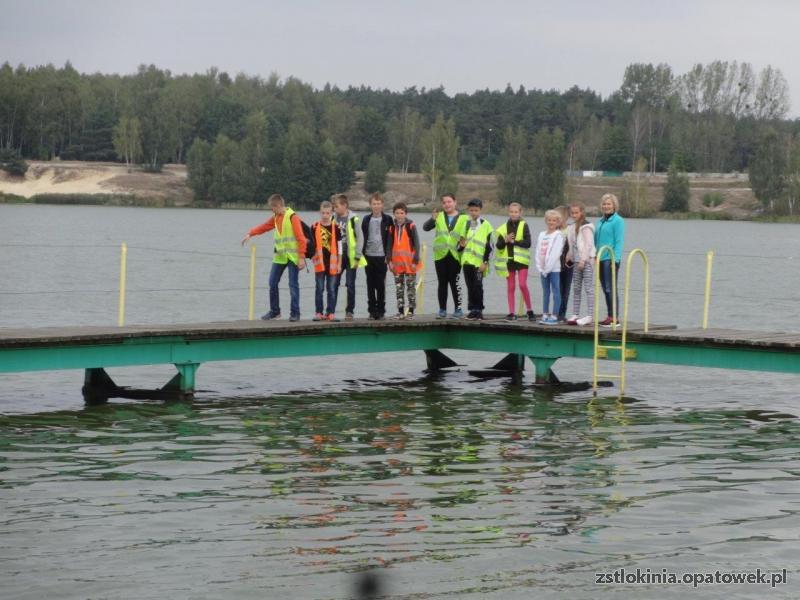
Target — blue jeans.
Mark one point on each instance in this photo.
(605, 284)
(349, 276)
(330, 284)
(294, 289)
(551, 282)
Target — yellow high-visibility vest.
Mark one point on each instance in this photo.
(286, 247)
(521, 255)
(446, 240)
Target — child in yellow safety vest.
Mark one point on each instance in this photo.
(352, 249)
(402, 255)
(450, 226)
(514, 257)
(327, 262)
(476, 248)
(290, 250)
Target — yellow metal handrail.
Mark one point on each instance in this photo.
(123, 261)
(595, 316)
(251, 308)
(421, 281)
(707, 300)
(628, 265)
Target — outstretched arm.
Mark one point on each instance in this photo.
(259, 229)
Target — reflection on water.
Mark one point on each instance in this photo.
(507, 491)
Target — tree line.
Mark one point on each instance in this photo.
(245, 136)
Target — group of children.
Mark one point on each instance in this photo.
(341, 243)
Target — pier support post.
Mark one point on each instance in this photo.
(183, 382)
(544, 373)
(98, 386)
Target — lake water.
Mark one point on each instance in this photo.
(288, 478)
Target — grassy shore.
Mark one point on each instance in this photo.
(110, 184)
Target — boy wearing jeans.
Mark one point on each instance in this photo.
(548, 263)
(352, 245)
(290, 250)
(327, 262)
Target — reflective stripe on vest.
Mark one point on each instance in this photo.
(402, 252)
(446, 240)
(285, 243)
(335, 266)
(521, 255)
(351, 244)
(475, 249)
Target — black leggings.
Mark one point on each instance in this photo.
(447, 271)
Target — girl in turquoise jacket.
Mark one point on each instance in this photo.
(609, 231)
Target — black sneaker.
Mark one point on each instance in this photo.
(270, 316)
(479, 316)
(472, 316)
(531, 316)
(294, 318)
(510, 317)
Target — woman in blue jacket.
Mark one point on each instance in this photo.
(610, 231)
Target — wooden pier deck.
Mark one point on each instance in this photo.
(187, 346)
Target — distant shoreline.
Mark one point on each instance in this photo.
(112, 184)
(129, 200)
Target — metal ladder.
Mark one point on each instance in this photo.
(602, 350)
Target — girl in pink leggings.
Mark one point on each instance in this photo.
(513, 258)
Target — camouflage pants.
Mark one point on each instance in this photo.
(405, 284)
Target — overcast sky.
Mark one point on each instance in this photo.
(464, 45)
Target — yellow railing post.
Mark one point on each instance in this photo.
(707, 302)
(628, 265)
(123, 260)
(598, 256)
(421, 281)
(251, 310)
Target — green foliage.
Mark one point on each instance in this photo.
(615, 152)
(375, 178)
(298, 166)
(128, 140)
(548, 169)
(12, 199)
(711, 118)
(768, 168)
(515, 168)
(633, 201)
(198, 168)
(12, 163)
(84, 199)
(405, 135)
(676, 191)
(440, 157)
(713, 199)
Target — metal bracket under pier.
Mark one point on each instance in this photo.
(98, 386)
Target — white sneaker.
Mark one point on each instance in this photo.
(587, 320)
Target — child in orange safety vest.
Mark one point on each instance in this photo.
(327, 262)
(402, 256)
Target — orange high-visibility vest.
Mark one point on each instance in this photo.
(319, 261)
(402, 252)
